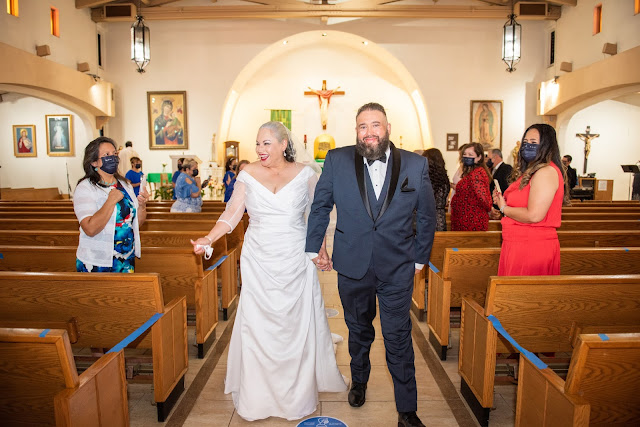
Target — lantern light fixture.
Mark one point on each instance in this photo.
(511, 40)
(140, 43)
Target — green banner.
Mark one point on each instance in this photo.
(283, 116)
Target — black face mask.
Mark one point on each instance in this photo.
(138, 166)
(110, 164)
(195, 172)
(468, 161)
(490, 164)
(529, 151)
(234, 167)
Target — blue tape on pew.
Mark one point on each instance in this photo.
(625, 249)
(433, 267)
(526, 353)
(135, 334)
(1, 256)
(217, 264)
(44, 333)
(455, 249)
(603, 337)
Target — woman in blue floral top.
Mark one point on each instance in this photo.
(109, 213)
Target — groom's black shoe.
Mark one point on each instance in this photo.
(409, 419)
(357, 394)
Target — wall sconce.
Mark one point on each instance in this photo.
(511, 37)
(610, 48)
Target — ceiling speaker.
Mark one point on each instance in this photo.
(531, 9)
(124, 10)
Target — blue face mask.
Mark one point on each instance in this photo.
(110, 164)
(468, 161)
(529, 151)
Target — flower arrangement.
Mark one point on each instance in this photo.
(214, 187)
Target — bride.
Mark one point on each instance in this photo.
(281, 351)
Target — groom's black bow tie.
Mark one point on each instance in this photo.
(382, 158)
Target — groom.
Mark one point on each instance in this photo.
(376, 189)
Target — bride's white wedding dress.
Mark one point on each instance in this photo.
(281, 351)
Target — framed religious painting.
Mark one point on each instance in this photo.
(24, 140)
(59, 134)
(167, 117)
(486, 124)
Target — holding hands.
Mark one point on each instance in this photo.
(323, 261)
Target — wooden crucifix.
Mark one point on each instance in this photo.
(324, 97)
(587, 137)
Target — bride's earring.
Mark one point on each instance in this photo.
(284, 153)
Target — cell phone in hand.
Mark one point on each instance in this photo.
(495, 182)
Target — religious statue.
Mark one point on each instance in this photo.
(324, 98)
(514, 154)
(587, 137)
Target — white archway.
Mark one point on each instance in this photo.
(402, 78)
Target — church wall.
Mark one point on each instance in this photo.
(41, 171)
(575, 41)
(619, 126)
(452, 61)
(77, 41)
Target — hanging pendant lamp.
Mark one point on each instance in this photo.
(511, 38)
(140, 43)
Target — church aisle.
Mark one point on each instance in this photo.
(213, 408)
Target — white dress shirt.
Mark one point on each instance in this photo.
(378, 172)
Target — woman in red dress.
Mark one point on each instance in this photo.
(532, 207)
(471, 203)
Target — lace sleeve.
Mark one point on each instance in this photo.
(311, 189)
(232, 214)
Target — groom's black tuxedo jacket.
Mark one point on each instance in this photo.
(362, 238)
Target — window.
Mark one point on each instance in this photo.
(12, 7)
(552, 48)
(597, 19)
(55, 22)
(100, 50)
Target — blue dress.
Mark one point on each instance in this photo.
(183, 191)
(228, 189)
(123, 245)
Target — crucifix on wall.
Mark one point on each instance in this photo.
(324, 97)
(587, 137)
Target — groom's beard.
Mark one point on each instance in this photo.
(373, 152)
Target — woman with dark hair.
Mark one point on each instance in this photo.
(440, 184)
(229, 177)
(471, 204)
(108, 211)
(532, 207)
(281, 350)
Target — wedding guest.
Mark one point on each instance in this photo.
(440, 184)
(229, 177)
(109, 213)
(188, 187)
(471, 204)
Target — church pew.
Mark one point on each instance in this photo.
(475, 239)
(108, 308)
(22, 194)
(602, 386)
(539, 312)
(39, 383)
(465, 273)
(229, 244)
(586, 225)
(182, 273)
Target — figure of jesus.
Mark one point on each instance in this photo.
(324, 98)
(587, 137)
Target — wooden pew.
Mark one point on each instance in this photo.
(465, 273)
(108, 308)
(540, 313)
(588, 396)
(442, 240)
(460, 239)
(23, 194)
(39, 383)
(586, 225)
(182, 273)
(602, 387)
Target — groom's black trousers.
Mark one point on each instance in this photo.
(359, 303)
